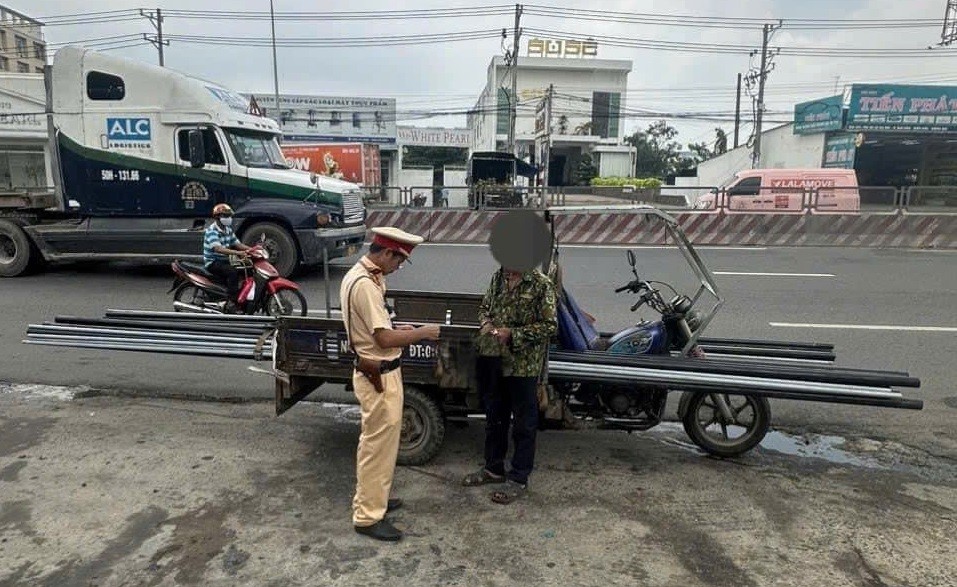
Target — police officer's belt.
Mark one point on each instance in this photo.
(386, 366)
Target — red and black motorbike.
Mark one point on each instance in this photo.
(262, 290)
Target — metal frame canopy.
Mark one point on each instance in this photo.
(706, 282)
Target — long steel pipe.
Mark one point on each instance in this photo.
(210, 352)
(128, 333)
(821, 374)
(148, 341)
(714, 381)
(251, 330)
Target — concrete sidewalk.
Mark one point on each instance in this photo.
(109, 491)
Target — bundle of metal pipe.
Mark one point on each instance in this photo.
(826, 374)
(730, 384)
(243, 337)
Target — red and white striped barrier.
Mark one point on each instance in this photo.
(702, 228)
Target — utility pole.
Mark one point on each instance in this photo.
(275, 62)
(513, 97)
(762, 78)
(156, 19)
(949, 34)
(737, 114)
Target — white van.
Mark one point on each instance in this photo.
(785, 190)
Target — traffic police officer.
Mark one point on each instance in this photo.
(378, 378)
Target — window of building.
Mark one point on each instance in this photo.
(605, 113)
(3, 40)
(103, 86)
(213, 154)
(22, 47)
(38, 51)
(356, 121)
(503, 111)
(4, 64)
(335, 118)
(22, 67)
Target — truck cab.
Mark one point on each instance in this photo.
(143, 153)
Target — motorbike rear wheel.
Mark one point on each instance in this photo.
(188, 293)
(709, 429)
(286, 302)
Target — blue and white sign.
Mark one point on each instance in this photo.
(129, 133)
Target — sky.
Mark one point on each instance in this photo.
(450, 75)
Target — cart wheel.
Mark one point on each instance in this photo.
(423, 428)
(705, 425)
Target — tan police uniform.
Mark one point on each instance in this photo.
(363, 312)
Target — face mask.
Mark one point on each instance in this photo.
(226, 221)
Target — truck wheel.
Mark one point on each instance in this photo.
(16, 251)
(283, 253)
(705, 425)
(423, 428)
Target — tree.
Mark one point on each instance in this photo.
(585, 171)
(563, 124)
(720, 142)
(657, 151)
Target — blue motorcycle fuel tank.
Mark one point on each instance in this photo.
(646, 338)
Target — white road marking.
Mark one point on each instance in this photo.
(866, 327)
(758, 274)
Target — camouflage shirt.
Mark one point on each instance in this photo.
(529, 311)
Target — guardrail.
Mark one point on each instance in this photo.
(789, 201)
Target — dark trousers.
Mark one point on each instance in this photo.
(229, 276)
(509, 401)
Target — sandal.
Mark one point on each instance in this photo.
(512, 491)
(481, 478)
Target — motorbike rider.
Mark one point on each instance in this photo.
(219, 242)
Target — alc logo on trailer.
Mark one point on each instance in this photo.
(128, 129)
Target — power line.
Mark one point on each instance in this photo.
(688, 20)
(716, 48)
(381, 40)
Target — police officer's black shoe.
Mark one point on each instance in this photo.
(393, 505)
(381, 530)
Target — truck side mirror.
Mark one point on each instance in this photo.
(197, 150)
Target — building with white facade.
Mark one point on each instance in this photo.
(588, 95)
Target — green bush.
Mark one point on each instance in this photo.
(639, 183)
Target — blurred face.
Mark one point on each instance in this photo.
(391, 261)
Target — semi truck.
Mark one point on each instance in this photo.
(141, 154)
(352, 162)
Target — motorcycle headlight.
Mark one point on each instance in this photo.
(323, 218)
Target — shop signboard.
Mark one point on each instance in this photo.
(332, 118)
(888, 107)
(839, 151)
(434, 137)
(819, 116)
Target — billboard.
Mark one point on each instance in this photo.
(889, 107)
(332, 118)
(357, 162)
(819, 116)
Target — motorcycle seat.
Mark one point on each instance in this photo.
(197, 269)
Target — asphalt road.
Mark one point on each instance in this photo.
(826, 286)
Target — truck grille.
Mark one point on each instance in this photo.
(352, 208)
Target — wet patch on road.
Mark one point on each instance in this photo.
(20, 434)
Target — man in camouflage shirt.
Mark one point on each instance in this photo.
(518, 320)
